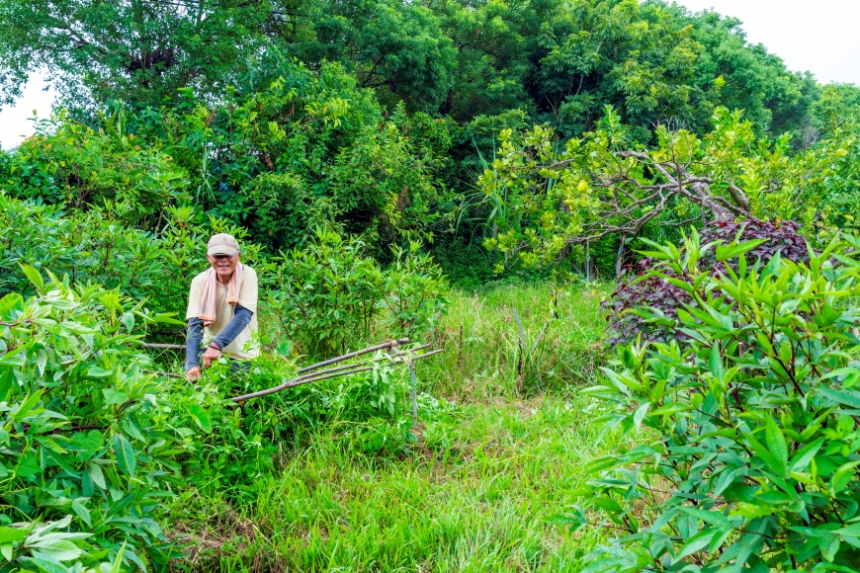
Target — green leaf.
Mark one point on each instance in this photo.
(640, 414)
(128, 321)
(201, 417)
(34, 277)
(91, 443)
(772, 462)
(59, 549)
(114, 396)
(711, 517)
(715, 362)
(698, 542)
(843, 397)
(842, 476)
(726, 252)
(124, 455)
(803, 456)
(81, 511)
(829, 547)
(28, 404)
(44, 563)
(28, 465)
(12, 534)
(608, 505)
(95, 371)
(11, 301)
(116, 567)
(777, 446)
(97, 475)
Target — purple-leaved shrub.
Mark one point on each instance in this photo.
(637, 290)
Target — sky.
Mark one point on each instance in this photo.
(819, 36)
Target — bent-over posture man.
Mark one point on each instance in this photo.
(223, 304)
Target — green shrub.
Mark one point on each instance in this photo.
(749, 432)
(331, 296)
(72, 165)
(96, 248)
(84, 457)
(367, 413)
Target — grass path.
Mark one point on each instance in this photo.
(476, 492)
(473, 498)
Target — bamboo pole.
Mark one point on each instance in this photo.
(163, 346)
(326, 374)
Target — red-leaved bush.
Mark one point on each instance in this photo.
(656, 292)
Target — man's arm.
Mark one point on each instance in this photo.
(192, 343)
(241, 319)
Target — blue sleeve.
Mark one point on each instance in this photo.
(192, 343)
(241, 319)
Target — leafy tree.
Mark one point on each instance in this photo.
(397, 49)
(597, 186)
(139, 51)
(493, 56)
(747, 77)
(837, 112)
(305, 150)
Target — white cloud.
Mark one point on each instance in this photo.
(15, 122)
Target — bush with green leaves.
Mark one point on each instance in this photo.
(641, 287)
(84, 453)
(96, 248)
(748, 455)
(70, 164)
(367, 413)
(330, 295)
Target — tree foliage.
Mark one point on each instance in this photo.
(598, 186)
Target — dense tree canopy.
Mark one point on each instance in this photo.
(561, 61)
(361, 150)
(379, 117)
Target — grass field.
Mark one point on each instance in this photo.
(475, 491)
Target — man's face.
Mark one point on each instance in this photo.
(223, 265)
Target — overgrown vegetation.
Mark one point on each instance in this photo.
(751, 461)
(461, 174)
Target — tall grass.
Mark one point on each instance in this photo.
(474, 493)
(487, 356)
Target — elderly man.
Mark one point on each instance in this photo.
(223, 305)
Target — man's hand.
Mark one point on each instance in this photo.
(210, 355)
(193, 373)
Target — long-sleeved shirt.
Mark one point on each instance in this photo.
(241, 318)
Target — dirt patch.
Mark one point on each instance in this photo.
(206, 543)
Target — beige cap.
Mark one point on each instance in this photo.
(223, 244)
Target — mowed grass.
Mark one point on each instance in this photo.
(476, 491)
